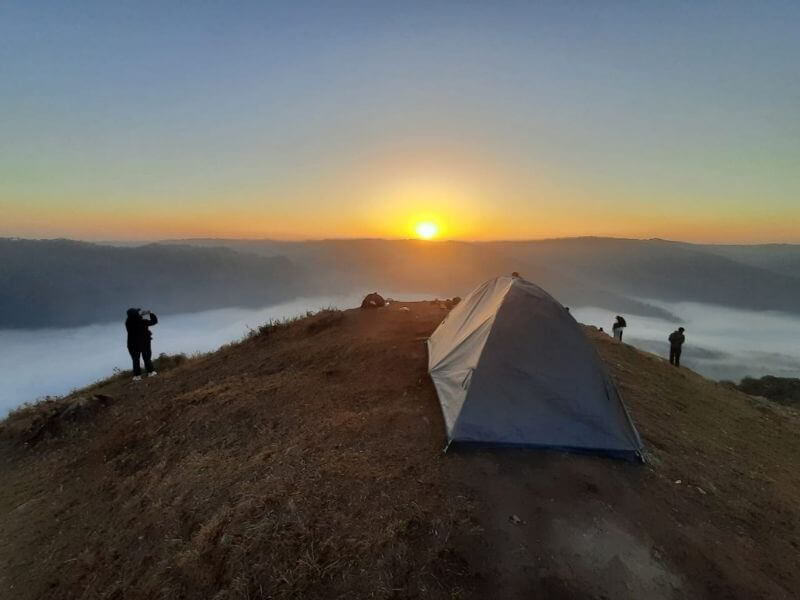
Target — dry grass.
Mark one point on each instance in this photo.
(305, 462)
(258, 471)
(32, 422)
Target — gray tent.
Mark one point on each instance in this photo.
(512, 366)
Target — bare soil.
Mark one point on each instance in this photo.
(306, 462)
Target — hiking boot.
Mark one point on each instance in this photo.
(137, 377)
(152, 374)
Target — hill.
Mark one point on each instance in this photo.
(780, 258)
(609, 273)
(306, 462)
(47, 283)
(666, 271)
(63, 283)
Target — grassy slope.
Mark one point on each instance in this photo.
(306, 462)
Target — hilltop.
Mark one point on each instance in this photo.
(306, 462)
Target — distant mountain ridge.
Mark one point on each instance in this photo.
(63, 283)
(667, 271)
(613, 273)
(780, 258)
(47, 283)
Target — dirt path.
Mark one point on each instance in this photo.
(558, 527)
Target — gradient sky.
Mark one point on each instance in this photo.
(146, 120)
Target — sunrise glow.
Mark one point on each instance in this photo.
(484, 132)
(426, 230)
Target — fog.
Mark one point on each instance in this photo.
(721, 343)
(53, 362)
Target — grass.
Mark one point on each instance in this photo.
(304, 461)
(32, 421)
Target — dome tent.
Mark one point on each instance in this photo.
(511, 366)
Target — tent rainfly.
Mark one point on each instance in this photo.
(511, 366)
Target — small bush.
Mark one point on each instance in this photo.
(165, 362)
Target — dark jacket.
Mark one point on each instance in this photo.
(139, 335)
(676, 339)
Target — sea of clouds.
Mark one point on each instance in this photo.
(721, 343)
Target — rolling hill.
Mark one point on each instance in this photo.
(63, 283)
(45, 283)
(611, 273)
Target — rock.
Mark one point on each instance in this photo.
(83, 405)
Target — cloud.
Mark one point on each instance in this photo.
(721, 342)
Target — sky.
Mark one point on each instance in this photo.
(150, 120)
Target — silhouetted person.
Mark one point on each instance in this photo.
(617, 327)
(676, 339)
(139, 338)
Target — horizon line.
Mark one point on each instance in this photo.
(388, 239)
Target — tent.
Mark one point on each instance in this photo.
(512, 366)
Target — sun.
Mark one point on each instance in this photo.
(426, 230)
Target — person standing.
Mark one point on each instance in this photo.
(617, 327)
(676, 339)
(139, 340)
